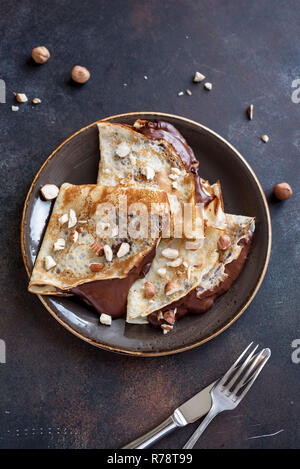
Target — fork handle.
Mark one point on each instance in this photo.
(198, 432)
(154, 435)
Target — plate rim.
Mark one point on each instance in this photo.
(180, 349)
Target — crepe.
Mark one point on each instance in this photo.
(203, 268)
(88, 226)
(128, 158)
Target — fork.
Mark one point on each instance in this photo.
(229, 390)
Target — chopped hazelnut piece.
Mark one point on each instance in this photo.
(72, 218)
(98, 249)
(150, 289)
(169, 316)
(176, 263)
(74, 236)
(123, 249)
(162, 272)
(36, 101)
(250, 112)
(198, 77)
(108, 252)
(49, 263)
(170, 253)
(49, 191)
(63, 219)
(172, 288)
(122, 150)
(21, 97)
(208, 86)
(105, 319)
(265, 138)
(96, 267)
(224, 242)
(59, 245)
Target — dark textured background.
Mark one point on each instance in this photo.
(57, 391)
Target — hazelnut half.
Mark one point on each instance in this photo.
(80, 74)
(283, 191)
(169, 316)
(149, 289)
(40, 54)
(224, 242)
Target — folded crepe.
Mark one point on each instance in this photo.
(199, 266)
(94, 233)
(129, 158)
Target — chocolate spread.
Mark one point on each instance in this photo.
(191, 303)
(110, 296)
(163, 130)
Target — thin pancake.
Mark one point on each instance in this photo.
(90, 211)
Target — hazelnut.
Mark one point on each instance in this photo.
(224, 242)
(80, 74)
(149, 289)
(59, 245)
(40, 54)
(169, 316)
(74, 236)
(283, 191)
(172, 288)
(105, 319)
(21, 97)
(198, 77)
(49, 262)
(170, 253)
(98, 249)
(96, 267)
(49, 191)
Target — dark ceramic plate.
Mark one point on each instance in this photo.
(76, 161)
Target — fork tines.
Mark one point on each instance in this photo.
(242, 374)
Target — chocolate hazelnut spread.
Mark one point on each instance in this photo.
(158, 130)
(110, 296)
(191, 303)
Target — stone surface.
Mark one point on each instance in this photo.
(57, 391)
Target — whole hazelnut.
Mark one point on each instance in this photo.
(40, 54)
(80, 74)
(224, 242)
(283, 191)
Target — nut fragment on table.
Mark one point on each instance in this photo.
(36, 101)
(283, 191)
(80, 74)
(198, 77)
(250, 112)
(40, 54)
(188, 92)
(49, 191)
(21, 97)
(15, 108)
(208, 86)
(265, 138)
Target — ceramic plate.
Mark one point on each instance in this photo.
(76, 161)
